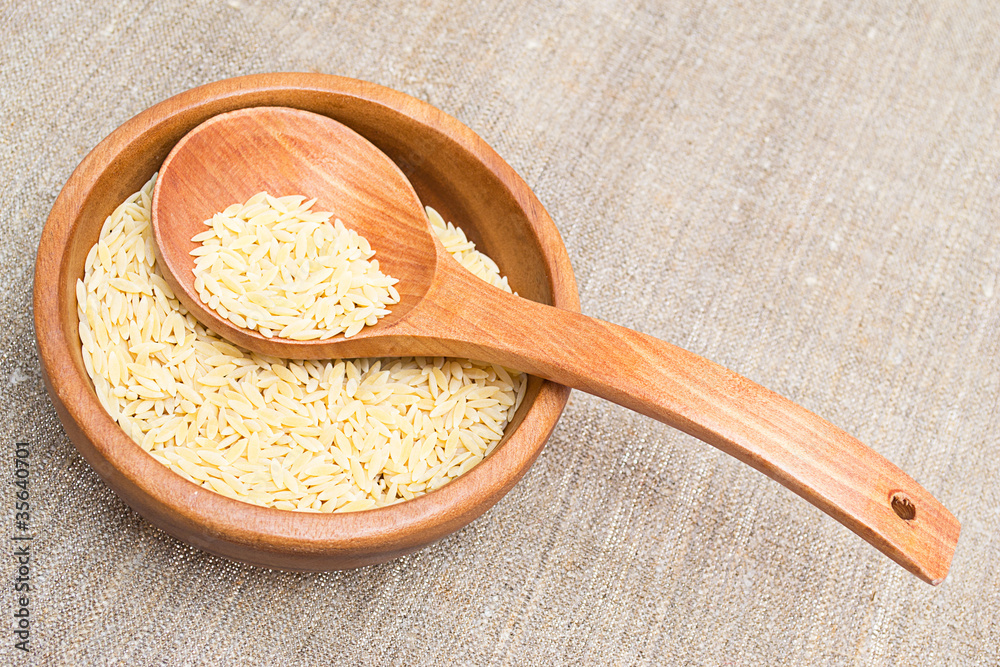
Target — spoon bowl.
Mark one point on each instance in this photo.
(449, 312)
(231, 157)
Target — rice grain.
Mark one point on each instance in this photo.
(315, 435)
(275, 266)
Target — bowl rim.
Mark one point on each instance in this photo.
(232, 528)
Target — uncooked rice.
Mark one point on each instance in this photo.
(275, 266)
(317, 436)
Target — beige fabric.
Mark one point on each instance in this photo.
(806, 192)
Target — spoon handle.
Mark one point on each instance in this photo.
(815, 459)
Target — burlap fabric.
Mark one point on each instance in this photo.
(805, 192)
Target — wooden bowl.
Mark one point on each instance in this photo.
(451, 169)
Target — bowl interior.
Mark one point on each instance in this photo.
(450, 168)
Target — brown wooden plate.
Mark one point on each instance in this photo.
(451, 169)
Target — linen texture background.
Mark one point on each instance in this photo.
(804, 192)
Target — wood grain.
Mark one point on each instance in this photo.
(448, 312)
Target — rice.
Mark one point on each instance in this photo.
(275, 266)
(321, 436)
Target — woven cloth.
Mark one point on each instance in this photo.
(804, 192)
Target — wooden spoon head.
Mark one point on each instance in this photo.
(232, 156)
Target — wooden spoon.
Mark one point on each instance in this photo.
(446, 311)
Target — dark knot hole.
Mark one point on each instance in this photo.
(903, 507)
